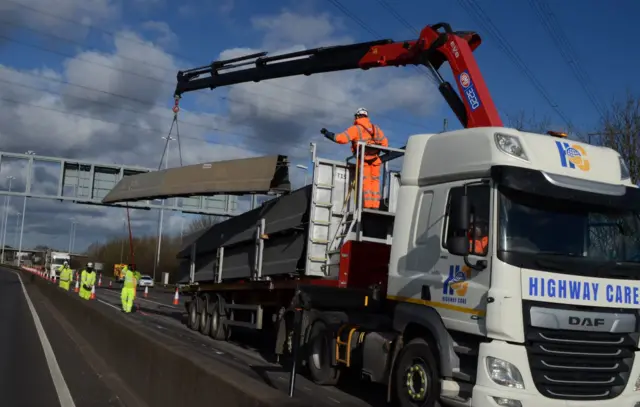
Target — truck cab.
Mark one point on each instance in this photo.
(516, 256)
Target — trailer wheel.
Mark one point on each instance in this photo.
(194, 318)
(319, 355)
(217, 329)
(205, 321)
(416, 376)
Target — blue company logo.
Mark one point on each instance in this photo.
(573, 156)
(469, 90)
(567, 289)
(455, 286)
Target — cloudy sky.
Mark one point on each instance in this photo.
(93, 80)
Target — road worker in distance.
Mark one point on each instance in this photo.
(364, 130)
(87, 281)
(128, 288)
(66, 275)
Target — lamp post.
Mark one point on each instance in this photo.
(72, 232)
(24, 207)
(6, 216)
(306, 171)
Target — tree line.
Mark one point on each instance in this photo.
(117, 250)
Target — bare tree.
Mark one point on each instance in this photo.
(203, 222)
(620, 129)
(525, 122)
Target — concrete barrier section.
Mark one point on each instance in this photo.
(159, 373)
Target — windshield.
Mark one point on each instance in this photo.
(548, 226)
(59, 260)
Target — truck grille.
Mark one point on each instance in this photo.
(578, 365)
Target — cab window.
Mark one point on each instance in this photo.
(479, 203)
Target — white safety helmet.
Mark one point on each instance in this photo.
(362, 112)
(90, 264)
(66, 263)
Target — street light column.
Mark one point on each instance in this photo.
(6, 217)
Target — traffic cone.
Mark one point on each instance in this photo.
(77, 289)
(54, 279)
(110, 284)
(146, 292)
(93, 292)
(176, 298)
(100, 280)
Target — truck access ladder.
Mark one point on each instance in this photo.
(337, 216)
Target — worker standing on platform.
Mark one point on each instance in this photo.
(87, 281)
(66, 275)
(128, 288)
(364, 130)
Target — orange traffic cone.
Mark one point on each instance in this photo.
(77, 289)
(100, 280)
(146, 292)
(176, 298)
(93, 292)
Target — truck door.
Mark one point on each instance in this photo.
(461, 298)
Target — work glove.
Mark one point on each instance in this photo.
(328, 134)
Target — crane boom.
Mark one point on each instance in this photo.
(436, 44)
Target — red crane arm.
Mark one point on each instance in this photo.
(437, 44)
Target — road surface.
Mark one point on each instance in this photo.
(41, 364)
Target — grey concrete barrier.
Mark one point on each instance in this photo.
(159, 373)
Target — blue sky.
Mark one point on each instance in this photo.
(287, 116)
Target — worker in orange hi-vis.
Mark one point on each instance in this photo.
(364, 130)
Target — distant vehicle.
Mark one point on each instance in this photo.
(146, 281)
(54, 260)
(117, 272)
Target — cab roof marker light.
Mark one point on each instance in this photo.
(510, 145)
(557, 134)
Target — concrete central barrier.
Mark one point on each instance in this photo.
(159, 373)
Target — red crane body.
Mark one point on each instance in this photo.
(437, 44)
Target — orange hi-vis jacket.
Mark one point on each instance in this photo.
(363, 130)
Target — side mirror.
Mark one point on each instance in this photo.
(458, 242)
(459, 214)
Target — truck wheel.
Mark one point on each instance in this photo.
(319, 355)
(416, 376)
(194, 318)
(205, 322)
(218, 330)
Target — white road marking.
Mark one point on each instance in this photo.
(109, 304)
(144, 299)
(64, 395)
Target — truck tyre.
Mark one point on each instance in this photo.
(416, 378)
(194, 318)
(217, 329)
(319, 355)
(205, 319)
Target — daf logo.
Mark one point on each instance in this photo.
(586, 321)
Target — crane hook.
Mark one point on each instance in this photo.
(176, 107)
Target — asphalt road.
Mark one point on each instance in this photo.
(244, 353)
(42, 362)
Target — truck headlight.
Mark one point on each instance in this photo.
(504, 373)
(624, 170)
(510, 145)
